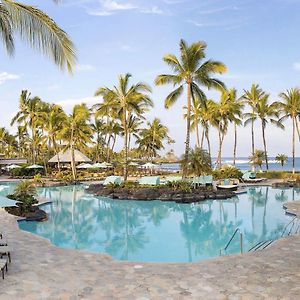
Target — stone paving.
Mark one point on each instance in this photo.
(293, 208)
(40, 270)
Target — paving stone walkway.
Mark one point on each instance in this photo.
(40, 270)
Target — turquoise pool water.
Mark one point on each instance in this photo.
(159, 231)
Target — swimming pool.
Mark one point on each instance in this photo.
(156, 231)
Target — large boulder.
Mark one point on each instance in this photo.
(37, 215)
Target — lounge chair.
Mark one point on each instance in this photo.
(117, 180)
(251, 177)
(5, 250)
(3, 266)
(173, 179)
(228, 184)
(208, 179)
(149, 180)
(198, 180)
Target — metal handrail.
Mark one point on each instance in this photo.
(230, 240)
(286, 226)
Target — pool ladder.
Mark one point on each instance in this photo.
(293, 227)
(222, 250)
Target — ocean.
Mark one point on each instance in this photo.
(242, 163)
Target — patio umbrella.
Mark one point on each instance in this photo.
(148, 165)
(85, 166)
(5, 202)
(35, 167)
(10, 167)
(105, 165)
(133, 164)
(97, 165)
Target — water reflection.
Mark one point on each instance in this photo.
(160, 231)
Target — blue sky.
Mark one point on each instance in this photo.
(257, 40)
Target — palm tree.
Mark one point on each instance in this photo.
(258, 158)
(267, 112)
(37, 29)
(252, 97)
(77, 131)
(54, 121)
(127, 100)
(282, 159)
(199, 162)
(30, 114)
(290, 108)
(151, 138)
(189, 70)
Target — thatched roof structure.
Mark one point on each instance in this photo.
(65, 157)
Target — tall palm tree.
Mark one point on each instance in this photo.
(77, 131)
(190, 70)
(151, 138)
(290, 108)
(54, 121)
(30, 114)
(127, 100)
(267, 112)
(37, 29)
(282, 159)
(252, 97)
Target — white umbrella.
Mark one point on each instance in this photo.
(148, 165)
(97, 165)
(85, 166)
(134, 164)
(35, 167)
(10, 167)
(5, 202)
(105, 165)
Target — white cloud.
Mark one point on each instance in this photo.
(109, 7)
(153, 10)
(296, 66)
(84, 68)
(207, 24)
(69, 103)
(4, 76)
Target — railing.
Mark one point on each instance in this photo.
(230, 240)
(295, 219)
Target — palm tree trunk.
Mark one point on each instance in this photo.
(235, 144)
(202, 138)
(57, 153)
(293, 150)
(125, 145)
(197, 134)
(33, 143)
(114, 142)
(208, 142)
(73, 157)
(188, 129)
(265, 145)
(252, 135)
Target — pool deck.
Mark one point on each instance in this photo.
(40, 270)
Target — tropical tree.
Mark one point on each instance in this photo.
(151, 139)
(127, 100)
(190, 71)
(199, 162)
(54, 121)
(77, 131)
(267, 112)
(30, 114)
(282, 159)
(258, 158)
(252, 97)
(36, 28)
(290, 109)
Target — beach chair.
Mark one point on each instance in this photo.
(5, 250)
(116, 180)
(198, 180)
(251, 177)
(149, 180)
(3, 266)
(208, 179)
(173, 179)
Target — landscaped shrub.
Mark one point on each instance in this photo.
(23, 172)
(227, 172)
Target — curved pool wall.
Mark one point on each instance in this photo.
(155, 231)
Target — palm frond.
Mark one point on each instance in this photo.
(42, 33)
(6, 30)
(173, 96)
